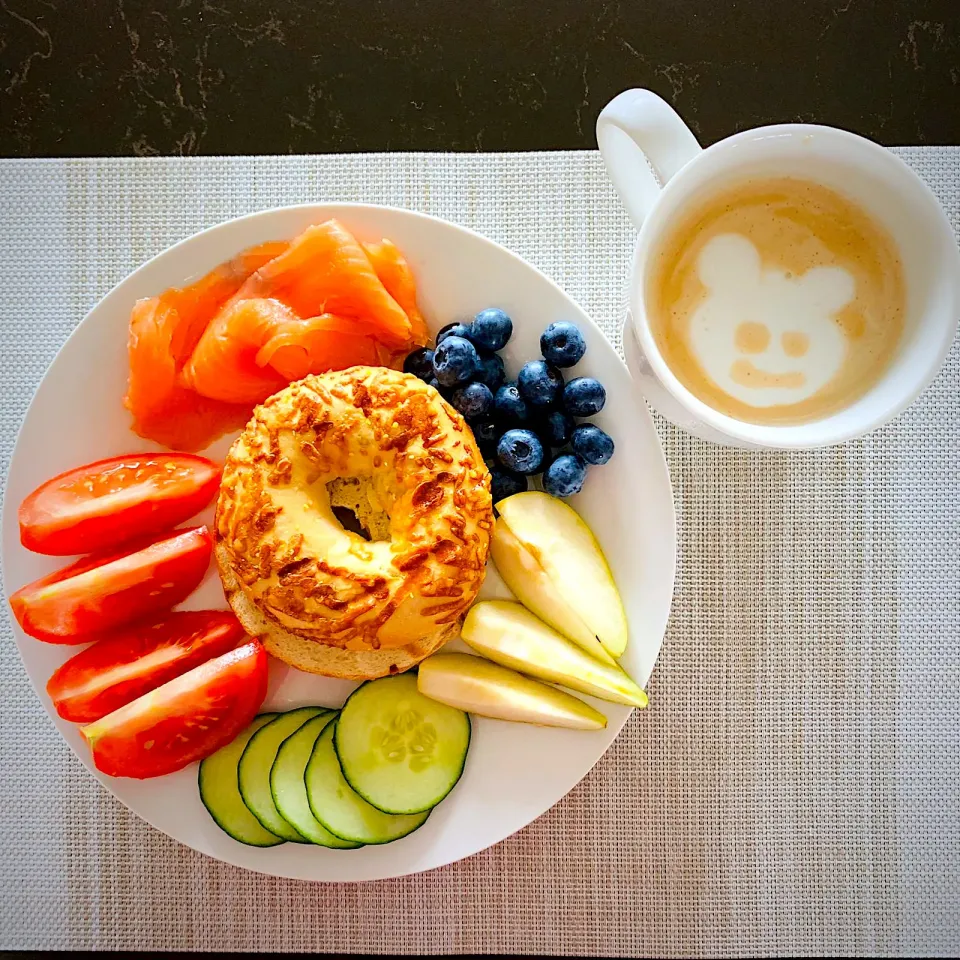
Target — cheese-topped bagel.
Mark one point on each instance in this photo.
(324, 598)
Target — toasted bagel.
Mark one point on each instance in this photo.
(323, 598)
(313, 657)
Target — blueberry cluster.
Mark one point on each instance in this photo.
(527, 426)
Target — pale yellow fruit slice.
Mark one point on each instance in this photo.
(484, 688)
(511, 635)
(551, 560)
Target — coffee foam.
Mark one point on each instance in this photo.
(777, 301)
(764, 336)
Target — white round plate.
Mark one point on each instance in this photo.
(514, 772)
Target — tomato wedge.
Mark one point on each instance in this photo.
(108, 590)
(104, 504)
(186, 719)
(127, 663)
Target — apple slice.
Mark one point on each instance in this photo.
(481, 687)
(549, 558)
(510, 635)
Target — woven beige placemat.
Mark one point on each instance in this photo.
(793, 788)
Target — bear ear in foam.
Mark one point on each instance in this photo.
(729, 263)
(827, 289)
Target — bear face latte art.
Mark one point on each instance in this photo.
(778, 301)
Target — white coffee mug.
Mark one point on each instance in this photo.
(660, 170)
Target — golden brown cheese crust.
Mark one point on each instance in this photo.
(293, 559)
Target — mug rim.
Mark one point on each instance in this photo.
(805, 435)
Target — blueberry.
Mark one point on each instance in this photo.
(505, 483)
(456, 329)
(486, 432)
(435, 383)
(591, 443)
(475, 400)
(539, 383)
(491, 328)
(509, 406)
(583, 397)
(419, 363)
(562, 344)
(555, 428)
(520, 451)
(564, 477)
(491, 369)
(455, 361)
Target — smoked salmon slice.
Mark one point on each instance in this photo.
(317, 345)
(163, 410)
(253, 348)
(395, 274)
(223, 365)
(197, 303)
(326, 270)
(164, 331)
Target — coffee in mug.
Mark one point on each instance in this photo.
(777, 300)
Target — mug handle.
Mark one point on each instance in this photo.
(640, 120)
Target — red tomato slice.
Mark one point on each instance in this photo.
(186, 719)
(123, 665)
(108, 590)
(106, 503)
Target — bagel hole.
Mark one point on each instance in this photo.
(351, 522)
(355, 505)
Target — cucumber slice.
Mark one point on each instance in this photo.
(340, 810)
(220, 794)
(253, 771)
(398, 749)
(289, 792)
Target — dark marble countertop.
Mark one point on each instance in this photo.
(92, 77)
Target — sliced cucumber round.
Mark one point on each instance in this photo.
(220, 793)
(253, 771)
(287, 786)
(342, 811)
(401, 751)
